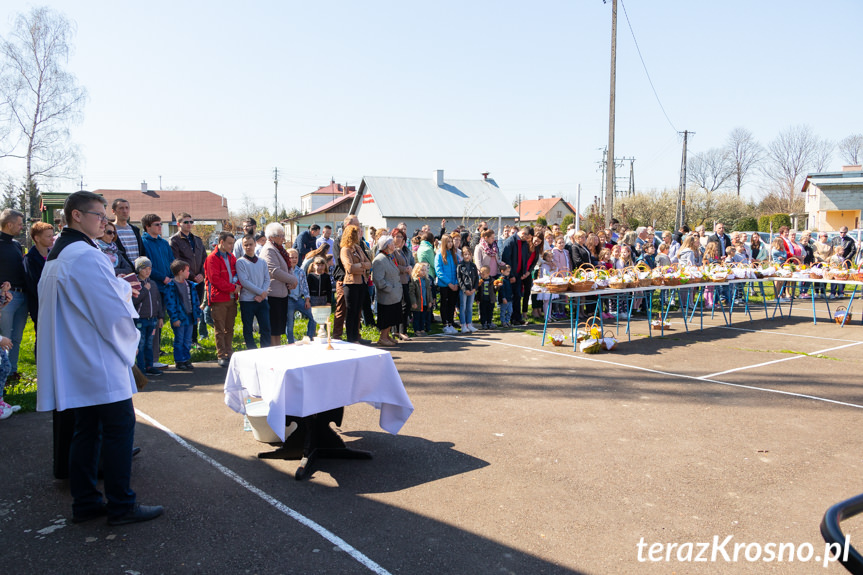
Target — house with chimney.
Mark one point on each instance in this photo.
(384, 202)
(207, 208)
(553, 209)
(834, 199)
(328, 205)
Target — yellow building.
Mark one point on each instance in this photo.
(834, 199)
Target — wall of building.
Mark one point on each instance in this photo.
(844, 199)
(833, 220)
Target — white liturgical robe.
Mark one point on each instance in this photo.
(87, 338)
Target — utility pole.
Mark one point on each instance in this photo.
(609, 176)
(276, 198)
(681, 194)
(631, 176)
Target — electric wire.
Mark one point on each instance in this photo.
(658, 101)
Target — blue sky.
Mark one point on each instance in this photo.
(213, 95)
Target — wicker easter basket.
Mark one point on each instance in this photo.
(560, 287)
(641, 268)
(577, 283)
(557, 337)
(840, 314)
(615, 280)
(632, 271)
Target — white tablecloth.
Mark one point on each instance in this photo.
(308, 379)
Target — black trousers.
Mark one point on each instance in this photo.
(406, 310)
(486, 312)
(516, 300)
(448, 302)
(354, 305)
(109, 429)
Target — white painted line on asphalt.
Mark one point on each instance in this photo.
(796, 356)
(319, 529)
(668, 373)
(768, 331)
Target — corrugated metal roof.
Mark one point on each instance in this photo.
(821, 182)
(422, 198)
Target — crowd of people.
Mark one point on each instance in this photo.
(373, 277)
(91, 323)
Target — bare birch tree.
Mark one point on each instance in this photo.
(744, 153)
(709, 170)
(789, 157)
(42, 98)
(851, 149)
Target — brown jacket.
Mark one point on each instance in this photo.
(356, 264)
(183, 251)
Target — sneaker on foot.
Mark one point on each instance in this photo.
(159, 365)
(14, 408)
(464, 329)
(5, 412)
(472, 328)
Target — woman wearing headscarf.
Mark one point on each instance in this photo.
(386, 276)
(282, 281)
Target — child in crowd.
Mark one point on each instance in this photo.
(181, 301)
(625, 259)
(648, 256)
(320, 285)
(778, 255)
(733, 256)
(487, 293)
(468, 282)
(662, 258)
(560, 255)
(415, 244)
(299, 300)
(546, 268)
(605, 259)
(148, 304)
(331, 265)
(505, 295)
(260, 240)
(420, 293)
(6, 410)
(255, 279)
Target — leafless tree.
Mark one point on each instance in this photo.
(794, 152)
(744, 153)
(851, 149)
(42, 98)
(709, 170)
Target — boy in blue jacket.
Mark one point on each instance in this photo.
(181, 301)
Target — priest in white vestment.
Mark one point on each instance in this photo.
(86, 342)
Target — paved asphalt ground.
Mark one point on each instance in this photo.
(518, 459)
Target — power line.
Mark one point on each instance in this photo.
(670, 123)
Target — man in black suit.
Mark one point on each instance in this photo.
(515, 251)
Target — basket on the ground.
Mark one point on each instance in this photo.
(557, 337)
(840, 314)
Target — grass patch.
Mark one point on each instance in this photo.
(23, 393)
